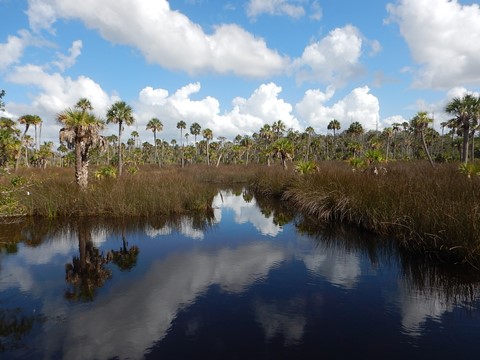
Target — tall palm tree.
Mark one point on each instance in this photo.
(309, 131)
(334, 125)
(420, 123)
(278, 128)
(465, 110)
(120, 113)
(36, 121)
(388, 133)
(195, 129)
(208, 135)
(156, 126)
(136, 137)
(81, 132)
(182, 126)
(26, 120)
(247, 143)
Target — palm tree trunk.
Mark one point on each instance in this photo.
(120, 148)
(466, 135)
(424, 143)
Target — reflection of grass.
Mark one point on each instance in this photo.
(428, 210)
(14, 326)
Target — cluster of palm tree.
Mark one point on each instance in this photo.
(81, 141)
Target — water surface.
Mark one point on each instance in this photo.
(249, 281)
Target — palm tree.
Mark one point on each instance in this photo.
(195, 130)
(120, 113)
(420, 123)
(278, 127)
(36, 121)
(388, 133)
(283, 148)
(136, 137)
(26, 120)
(355, 129)
(207, 135)
(247, 143)
(182, 126)
(81, 132)
(309, 131)
(84, 104)
(334, 125)
(465, 110)
(156, 126)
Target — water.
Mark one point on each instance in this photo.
(249, 281)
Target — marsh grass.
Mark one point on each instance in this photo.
(435, 211)
(149, 192)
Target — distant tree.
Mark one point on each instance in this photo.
(2, 104)
(283, 148)
(208, 135)
(195, 130)
(182, 126)
(156, 126)
(309, 131)
(84, 105)
(278, 128)
(334, 125)
(26, 120)
(420, 123)
(10, 143)
(466, 111)
(120, 113)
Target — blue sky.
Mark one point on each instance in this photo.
(233, 66)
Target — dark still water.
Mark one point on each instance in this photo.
(250, 281)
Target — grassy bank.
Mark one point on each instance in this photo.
(433, 211)
(151, 191)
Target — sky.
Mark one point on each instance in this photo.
(233, 66)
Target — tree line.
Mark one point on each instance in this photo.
(82, 142)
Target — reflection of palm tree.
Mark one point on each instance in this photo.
(87, 272)
(124, 258)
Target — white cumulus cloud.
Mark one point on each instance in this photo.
(359, 105)
(334, 59)
(12, 50)
(164, 36)
(444, 39)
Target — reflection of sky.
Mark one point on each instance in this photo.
(245, 212)
(277, 318)
(416, 307)
(133, 316)
(185, 228)
(336, 264)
